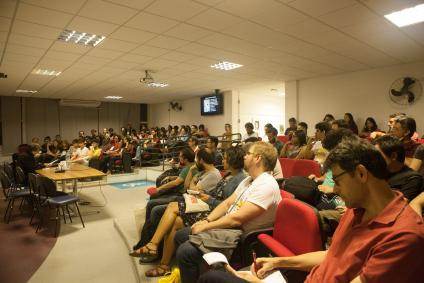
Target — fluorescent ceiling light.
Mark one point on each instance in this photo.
(157, 84)
(226, 66)
(46, 72)
(82, 38)
(407, 16)
(26, 91)
(113, 97)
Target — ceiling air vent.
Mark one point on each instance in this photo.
(79, 103)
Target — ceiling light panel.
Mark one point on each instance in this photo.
(407, 16)
(46, 72)
(226, 66)
(26, 91)
(80, 38)
(157, 84)
(113, 97)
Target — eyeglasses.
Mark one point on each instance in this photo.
(339, 175)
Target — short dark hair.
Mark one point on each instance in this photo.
(350, 153)
(269, 125)
(188, 154)
(213, 139)
(390, 144)
(322, 126)
(374, 127)
(328, 116)
(206, 156)
(407, 123)
(303, 124)
(301, 136)
(194, 139)
(201, 127)
(292, 119)
(273, 131)
(341, 123)
(396, 114)
(334, 137)
(235, 157)
(248, 125)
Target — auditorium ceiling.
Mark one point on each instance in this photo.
(178, 41)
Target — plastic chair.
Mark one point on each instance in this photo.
(286, 194)
(49, 196)
(297, 230)
(421, 141)
(299, 167)
(11, 193)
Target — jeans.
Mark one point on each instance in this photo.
(188, 256)
(219, 276)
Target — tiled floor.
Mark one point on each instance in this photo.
(96, 253)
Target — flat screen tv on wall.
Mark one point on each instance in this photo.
(211, 105)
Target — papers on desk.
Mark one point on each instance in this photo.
(215, 257)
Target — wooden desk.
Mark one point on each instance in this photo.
(76, 171)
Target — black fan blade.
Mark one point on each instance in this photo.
(411, 97)
(395, 92)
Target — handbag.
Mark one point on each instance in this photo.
(194, 204)
(171, 277)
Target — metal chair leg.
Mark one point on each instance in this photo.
(63, 213)
(10, 211)
(57, 222)
(7, 210)
(79, 213)
(69, 214)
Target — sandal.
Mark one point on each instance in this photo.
(145, 251)
(159, 270)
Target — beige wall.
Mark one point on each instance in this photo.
(362, 93)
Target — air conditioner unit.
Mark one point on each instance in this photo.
(79, 103)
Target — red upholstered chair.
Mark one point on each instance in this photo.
(297, 230)
(421, 141)
(283, 139)
(286, 194)
(299, 167)
(152, 191)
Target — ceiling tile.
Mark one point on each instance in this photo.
(187, 32)
(91, 26)
(239, 7)
(151, 23)
(387, 6)
(180, 10)
(60, 5)
(167, 42)
(349, 16)
(177, 56)
(149, 51)
(341, 62)
(320, 7)
(7, 8)
(135, 58)
(122, 65)
(95, 61)
(42, 16)
(132, 35)
(156, 65)
(209, 20)
(51, 63)
(306, 28)
(30, 41)
(104, 53)
(5, 24)
(139, 4)
(416, 32)
(21, 27)
(69, 47)
(21, 58)
(3, 37)
(115, 44)
(25, 50)
(108, 12)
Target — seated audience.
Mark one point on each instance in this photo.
(390, 123)
(212, 145)
(328, 118)
(252, 206)
(417, 204)
(202, 133)
(81, 153)
(249, 131)
(379, 238)
(401, 177)
(170, 190)
(292, 148)
(303, 127)
(267, 128)
(176, 218)
(417, 161)
(227, 137)
(193, 143)
(369, 127)
(292, 127)
(314, 150)
(272, 139)
(348, 117)
(403, 128)
(339, 124)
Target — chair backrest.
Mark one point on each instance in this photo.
(421, 141)
(45, 186)
(5, 183)
(94, 163)
(297, 227)
(299, 167)
(9, 171)
(283, 139)
(20, 176)
(32, 182)
(126, 162)
(286, 194)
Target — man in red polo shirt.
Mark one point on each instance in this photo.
(379, 238)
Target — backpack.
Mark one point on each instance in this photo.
(303, 189)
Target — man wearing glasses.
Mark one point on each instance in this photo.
(379, 239)
(252, 206)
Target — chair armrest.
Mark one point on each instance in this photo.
(248, 241)
(276, 248)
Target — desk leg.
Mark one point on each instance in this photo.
(74, 187)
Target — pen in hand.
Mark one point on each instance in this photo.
(255, 267)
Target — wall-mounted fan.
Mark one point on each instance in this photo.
(175, 106)
(405, 91)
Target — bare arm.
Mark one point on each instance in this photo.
(417, 204)
(415, 164)
(188, 177)
(171, 184)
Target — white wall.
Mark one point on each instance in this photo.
(259, 105)
(161, 117)
(362, 93)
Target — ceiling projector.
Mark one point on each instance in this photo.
(148, 79)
